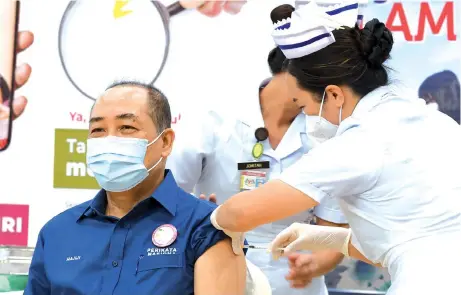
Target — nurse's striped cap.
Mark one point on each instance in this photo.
(362, 5)
(310, 26)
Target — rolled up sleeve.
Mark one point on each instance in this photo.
(38, 283)
(330, 210)
(205, 236)
(346, 165)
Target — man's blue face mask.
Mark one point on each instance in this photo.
(118, 162)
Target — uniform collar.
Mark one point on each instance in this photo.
(372, 99)
(291, 141)
(365, 105)
(165, 195)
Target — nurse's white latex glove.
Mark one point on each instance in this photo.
(237, 238)
(300, 236)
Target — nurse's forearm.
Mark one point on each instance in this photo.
(354, 253)
(327, 260)
(273, 201)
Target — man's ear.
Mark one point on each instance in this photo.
(167, 139)
(335, 93)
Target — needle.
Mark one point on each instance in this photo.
(259, 247)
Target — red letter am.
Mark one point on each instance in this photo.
(446, 16)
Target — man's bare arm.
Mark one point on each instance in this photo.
(220, 272)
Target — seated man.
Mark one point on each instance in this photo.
(141, 234)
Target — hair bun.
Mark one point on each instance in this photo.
(377, 42)
(281, 12)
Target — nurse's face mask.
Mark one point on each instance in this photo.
(319, 128)
(118, 162)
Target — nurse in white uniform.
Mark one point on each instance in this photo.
(393, 163)
(206, 156)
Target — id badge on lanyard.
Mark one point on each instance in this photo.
(254, 174)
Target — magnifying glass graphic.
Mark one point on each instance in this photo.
(104, 41)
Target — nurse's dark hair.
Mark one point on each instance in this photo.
(159, 107)
(276, 57)
(355, 59)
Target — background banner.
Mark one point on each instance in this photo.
(14, 224)
(70, 160)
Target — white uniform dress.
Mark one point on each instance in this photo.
(205, 156)
(394, 167)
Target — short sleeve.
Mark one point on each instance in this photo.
(205, 235)
(329, 210)
(194, 144)
(355, 242)
(38, 283)
(346, 165)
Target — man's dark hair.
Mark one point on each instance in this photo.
(159, 108)
(443, 88)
